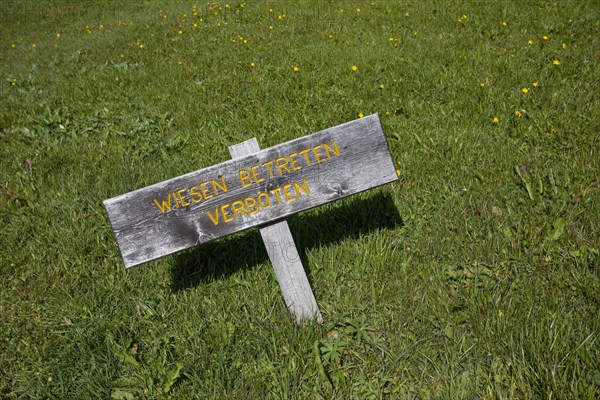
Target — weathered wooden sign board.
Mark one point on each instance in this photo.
(256, 188)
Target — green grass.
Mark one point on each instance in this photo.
(475, 276)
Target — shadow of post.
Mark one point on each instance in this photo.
(322, 226)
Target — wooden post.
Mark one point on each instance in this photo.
(284, 256)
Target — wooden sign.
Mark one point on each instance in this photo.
(251, 190)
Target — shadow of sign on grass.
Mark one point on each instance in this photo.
(351, 219)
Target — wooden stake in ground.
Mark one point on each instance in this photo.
(283, 254)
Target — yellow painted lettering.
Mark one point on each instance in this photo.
(224, 213)
(255, 174)
(238, 207)
(293, 161)
(217, 185)
(214, 218)
(175, 199)
(302, 188)
(287, 192)
(204, 189)
(264, 200)
(335, 149)
(305, 154)
(281, 163)
(196, 196)
(251, 205)
(268, 165)
(318, 154)
(276, 193)
(164, 205)
(182, 198)
(245, 178)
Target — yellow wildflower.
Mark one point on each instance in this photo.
(142, 45)
(252, 64)
(354, 68)
(524, 90)
(34, 45)
(296, 69)
(518, 113)
(545, 37)
(495, 120)
(564, 45)
(381, 86)
(13, 45)
(556, 62)
(58, 35)
(530, 42)
(482, 84)
(536, 84)
(271, 27)
(504, 23)
(360, 115)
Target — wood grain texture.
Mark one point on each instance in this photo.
(144, 233)
(278, 240)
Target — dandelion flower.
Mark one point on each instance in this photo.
(270, 27)
(33, 46)
(180, 62)
(381, 86)
(530, 42)
(13, 45)
(354, 68)
(495, 120)
(564, 45)
(524, 90)
(180, 32)
(360, 115)
(482, 84)
(296, 69)
(58, 35)
(545, 37)
(535, 84)
(252, 64)
(504, 23)
(556, 62)
(518, 114)
(142, 45)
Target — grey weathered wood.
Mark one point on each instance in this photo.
(277, 237)
(145, 233)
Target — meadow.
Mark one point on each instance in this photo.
(475, 276)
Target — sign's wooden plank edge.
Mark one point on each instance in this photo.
(134, 257)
